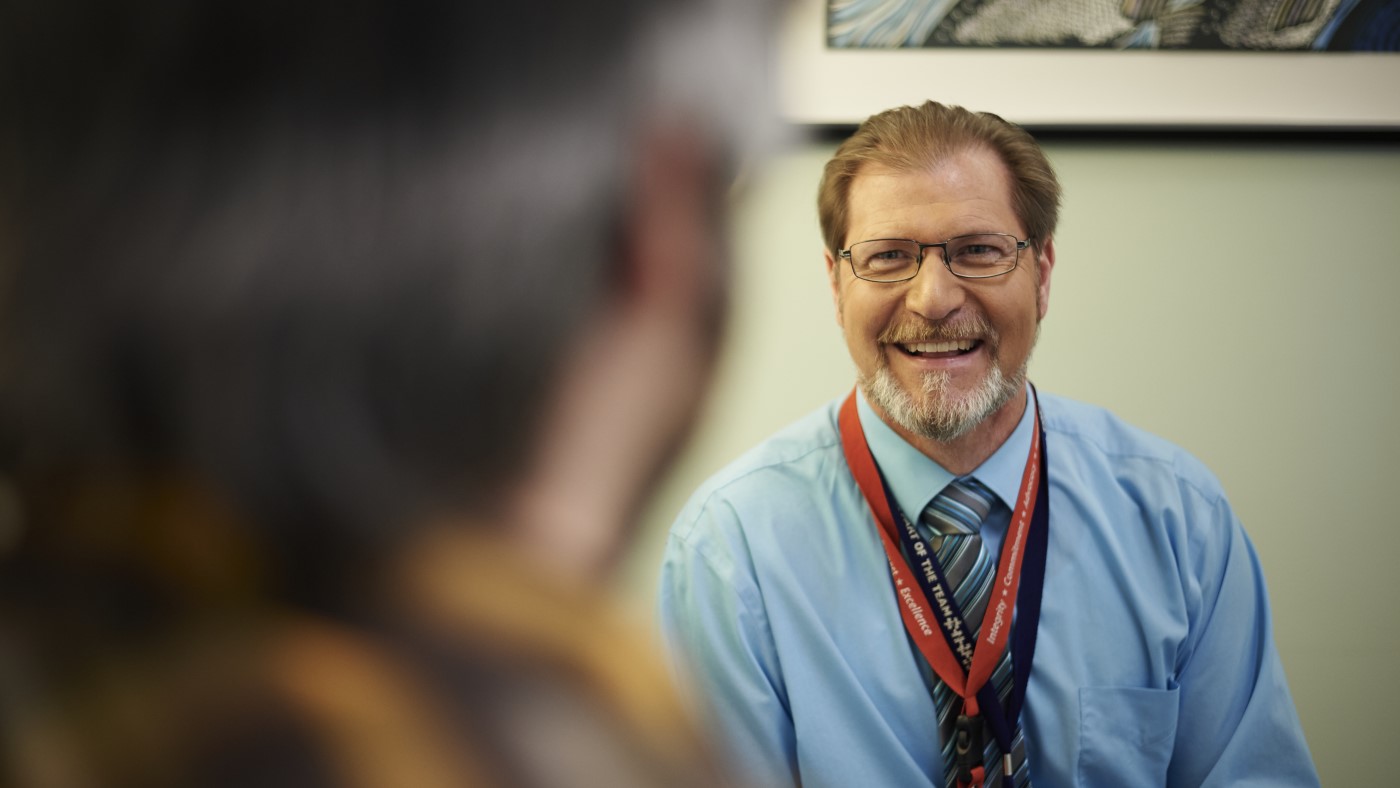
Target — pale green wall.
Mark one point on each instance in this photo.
(1236, 299)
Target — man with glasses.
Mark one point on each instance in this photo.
(946, 578)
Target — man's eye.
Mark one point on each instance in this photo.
(892, 254)
(981, 254)
(889, 260)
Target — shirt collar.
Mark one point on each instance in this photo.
(914, 479)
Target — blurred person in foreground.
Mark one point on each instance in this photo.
(945, 578)
(340, 344)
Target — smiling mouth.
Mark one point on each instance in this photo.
(948, 349)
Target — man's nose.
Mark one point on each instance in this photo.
(934, 292)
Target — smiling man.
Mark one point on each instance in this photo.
(946, 578)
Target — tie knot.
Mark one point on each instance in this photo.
(960, 508)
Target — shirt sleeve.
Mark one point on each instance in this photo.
(717, 634)
(1237, 724)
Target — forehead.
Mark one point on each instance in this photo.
(966, 192)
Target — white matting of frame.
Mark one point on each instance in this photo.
(1087, 88)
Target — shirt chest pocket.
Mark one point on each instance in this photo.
(1126, 735)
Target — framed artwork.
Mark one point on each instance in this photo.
(1300, 65)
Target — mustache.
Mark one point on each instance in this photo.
(917, 329)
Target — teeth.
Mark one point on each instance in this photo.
(940, 347)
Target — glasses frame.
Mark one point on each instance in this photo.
(943, 254)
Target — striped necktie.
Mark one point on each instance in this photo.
(955, 516)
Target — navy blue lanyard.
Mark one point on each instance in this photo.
(930, 577)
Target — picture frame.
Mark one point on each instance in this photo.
(1087, 89)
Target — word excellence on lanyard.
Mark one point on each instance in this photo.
(1018, 583)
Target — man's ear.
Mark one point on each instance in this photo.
(1045, 266)
(833, 275)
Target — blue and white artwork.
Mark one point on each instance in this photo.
(1250, 25)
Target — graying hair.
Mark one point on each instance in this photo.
(325, 253)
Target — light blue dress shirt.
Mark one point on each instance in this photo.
(1155, 663)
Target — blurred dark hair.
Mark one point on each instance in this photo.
(326, 255)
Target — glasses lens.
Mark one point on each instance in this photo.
(885, 261)
(982, 255)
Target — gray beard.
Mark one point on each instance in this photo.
(937, 415)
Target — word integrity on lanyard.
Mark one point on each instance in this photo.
(964, 668)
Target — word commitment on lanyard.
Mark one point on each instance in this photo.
(963, 667)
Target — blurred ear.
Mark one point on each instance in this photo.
(671, 255)
(633, 380)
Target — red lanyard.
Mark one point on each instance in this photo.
(922, 619)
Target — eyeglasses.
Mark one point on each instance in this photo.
(978, 256)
